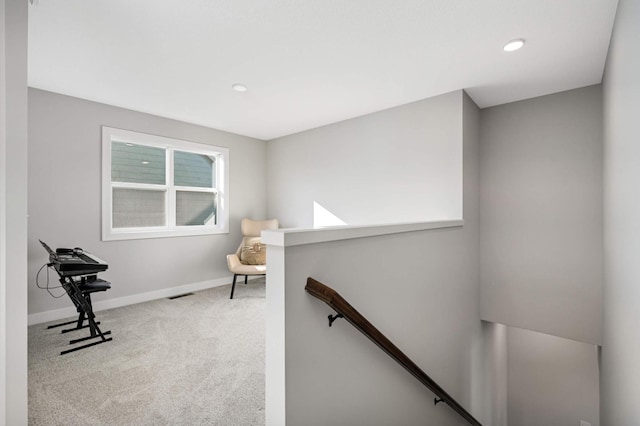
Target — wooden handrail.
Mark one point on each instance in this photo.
(348, 312)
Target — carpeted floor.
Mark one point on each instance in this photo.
(195, 360)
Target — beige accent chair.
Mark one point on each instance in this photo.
(249, 228)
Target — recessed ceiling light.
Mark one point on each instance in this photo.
(145, 162)
(239, 87)
(513, 45)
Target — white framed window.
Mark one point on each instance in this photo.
(154, 186)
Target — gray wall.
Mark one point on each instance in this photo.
(541, 214)
(422, 293)
(13, 212)
(398, 165)
(64, 198)
(428, 308)
(488, 388)
(621, 346)
(552, 381)
(493, 387)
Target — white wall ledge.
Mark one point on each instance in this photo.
(298, 236)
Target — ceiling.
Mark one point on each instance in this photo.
(308, 63)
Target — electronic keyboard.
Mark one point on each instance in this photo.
(72, 262)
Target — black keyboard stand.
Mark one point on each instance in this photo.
(80, 294)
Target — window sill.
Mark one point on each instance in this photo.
(141, 235)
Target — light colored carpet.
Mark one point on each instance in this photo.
(196, 360)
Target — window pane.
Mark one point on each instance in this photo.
(138, 208)
(195, 208)
(137, 163)
(193, 170)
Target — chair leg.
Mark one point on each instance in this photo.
(233, 286)
(245, 279)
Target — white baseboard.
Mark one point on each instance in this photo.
(117, 302)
